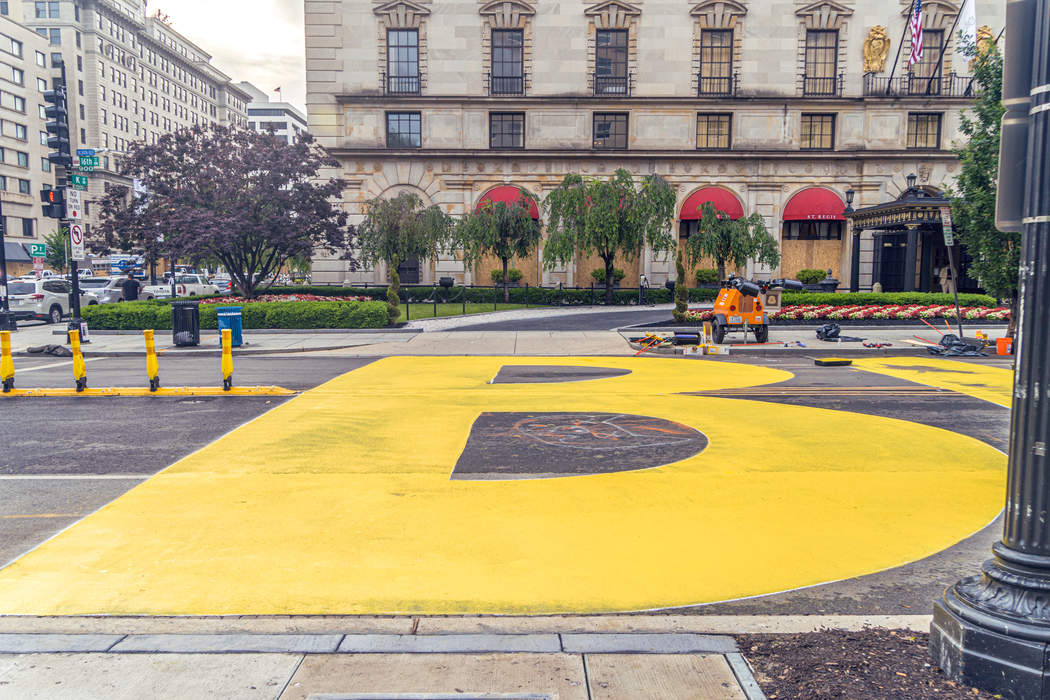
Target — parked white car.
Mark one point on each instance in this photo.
(111, 289)
(43, 299)
(185, 286)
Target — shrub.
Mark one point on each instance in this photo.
(890, 298)
(681, 291)
(599, 275)
(707, 276)
(141, 315)
(810, 276)
(513, 274)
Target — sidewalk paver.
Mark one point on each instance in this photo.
(43, 643)
(646, 643)
(227, 643)
(450, 643)
(647, 677)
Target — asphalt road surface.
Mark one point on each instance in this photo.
(65, 458)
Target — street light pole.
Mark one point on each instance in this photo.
(993, 630)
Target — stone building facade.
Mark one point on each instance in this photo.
(771, 106)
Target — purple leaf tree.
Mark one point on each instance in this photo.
(246, 200)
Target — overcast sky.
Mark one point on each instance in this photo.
(260, 41)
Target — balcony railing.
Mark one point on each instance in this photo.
(401, 84)
(506, 84)
(706, 86)
(951, 85)
(823, 87)
(612, 85)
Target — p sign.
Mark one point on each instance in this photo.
(76, 242)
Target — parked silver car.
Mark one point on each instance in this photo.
(109, 289)
(43, 299)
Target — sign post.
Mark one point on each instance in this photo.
(949, 242)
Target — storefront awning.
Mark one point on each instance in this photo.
(815, 204)
(15, 253)
(508, 194)
(721, 199)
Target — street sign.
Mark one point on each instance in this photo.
(76, 242)
(85, 151)
(88, 162)
(80, 182)
(37, 250)
(73, 210)
(38, 265)
(946, 225)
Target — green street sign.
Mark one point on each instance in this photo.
(80, 182)
(88, 162)
(38, 250)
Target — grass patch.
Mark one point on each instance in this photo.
(421, 311)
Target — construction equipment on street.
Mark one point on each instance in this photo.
(741, 307)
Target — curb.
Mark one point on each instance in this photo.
(280, 331)
(167, 353)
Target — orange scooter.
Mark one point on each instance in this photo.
(739, 307)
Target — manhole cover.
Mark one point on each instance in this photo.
(546, 445)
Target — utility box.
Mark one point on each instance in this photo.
(230, 317)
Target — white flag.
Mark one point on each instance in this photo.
(968, 23)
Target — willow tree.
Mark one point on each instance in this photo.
(399, 228)
(727, 241)
(502, 230)
(608, 218)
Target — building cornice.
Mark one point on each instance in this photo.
(715, 155)
(641, 102)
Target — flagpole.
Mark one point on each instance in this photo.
(940, 58)
(897, 58)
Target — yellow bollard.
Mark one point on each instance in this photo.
(7, 367)
(79, 370)
(227, 359)
(152, 368)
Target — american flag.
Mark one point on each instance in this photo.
(916, 34)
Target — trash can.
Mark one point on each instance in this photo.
(185, 323)
(230, 317)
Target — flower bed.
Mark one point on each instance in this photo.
(827, 312)
(270, 298)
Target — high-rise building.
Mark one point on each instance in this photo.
(775, 107)
(131, 77)
(283, 118)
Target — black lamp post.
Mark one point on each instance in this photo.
(854, 266)
(911, 179)
(850, 194)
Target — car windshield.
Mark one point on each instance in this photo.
(21, 288)
(93, 284)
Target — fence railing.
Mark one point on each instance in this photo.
(823, 87)
(401, 84)
(950, 85)
(612, 85)
(506, 84)
(725, 86)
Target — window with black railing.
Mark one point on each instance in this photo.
(821, 70)
(403, 130)
(925, 76)
(506, 130)
(610, 63)
(508, 67)
(402, 61)
(716, 62)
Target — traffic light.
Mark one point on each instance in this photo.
(58, 126)
(54, 203)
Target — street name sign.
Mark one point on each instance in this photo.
(88, 163)
(80, 182)
(946, 225)
(73, 204)
(85, 151)
(76, 242)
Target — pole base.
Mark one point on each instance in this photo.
(8, 322)
(976, 643)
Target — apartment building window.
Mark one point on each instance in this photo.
(924, 130)
(716, 62)
(19, 103)
(41, 85)
(3, 7)
(45, 164)
(23, 186)
(508, 67)
(46, 10)
(403, 130)
(14, 47)
(610, 62)
(43, 138)
(17, 76)
(713, 131)
(22, 159)
(402, 61)
(818, 132)
(926, 74)
(610, 131)
(41, 59)
(20, 132)
(813, 230)
(27, 228)
(53, 35)
(506, 130)
(822, 51)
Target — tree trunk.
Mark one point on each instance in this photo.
(1011, 328)
(721, 271)
(610, 280)
(506, 281)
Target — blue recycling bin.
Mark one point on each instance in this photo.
(230, 317)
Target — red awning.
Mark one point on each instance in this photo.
(508, 194)
(721, 199)
(815, 204)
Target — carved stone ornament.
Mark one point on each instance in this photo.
(876, 49)
(924, 173)
(984, 41)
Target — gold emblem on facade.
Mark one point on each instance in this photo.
(876, 49)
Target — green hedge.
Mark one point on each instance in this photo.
(140, 315)
(902, 298)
